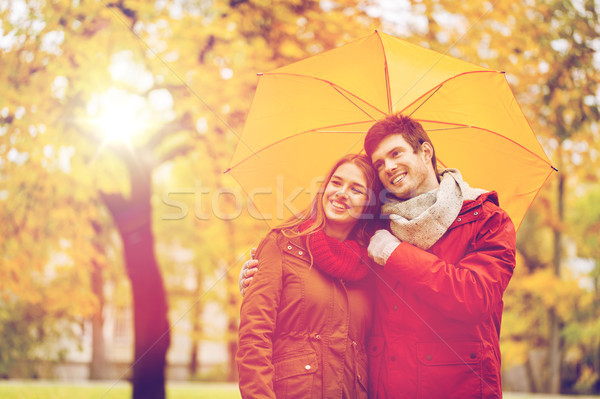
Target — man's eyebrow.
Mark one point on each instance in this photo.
(386, 154)
(392, 150)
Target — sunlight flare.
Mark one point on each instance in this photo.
(119, 116)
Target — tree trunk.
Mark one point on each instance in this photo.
(554, 353)
(193, 365)
(98, 363)
(196, 328)
(597, 358)
(554, 350)
(233, 297)
(151, 328)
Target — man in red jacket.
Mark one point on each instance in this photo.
(444, 268)
(445, 263)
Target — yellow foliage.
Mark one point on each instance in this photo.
(207, 60)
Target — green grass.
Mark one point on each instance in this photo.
(121, 390)
(63, 390)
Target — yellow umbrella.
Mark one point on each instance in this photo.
(306, 115)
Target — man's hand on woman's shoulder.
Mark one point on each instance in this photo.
(248, 269)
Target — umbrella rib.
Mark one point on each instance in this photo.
(535, 190)
(427, 99)
(518, 223)
(459, 126)
(386, 73)
(338, 131)
(352, 102)
(336, 87)
(438, 87)
(514, 99)
(445, 54)
(449, 128)
(316, 130)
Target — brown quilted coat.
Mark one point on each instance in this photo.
(302, 333)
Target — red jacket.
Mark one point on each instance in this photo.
(438, 312)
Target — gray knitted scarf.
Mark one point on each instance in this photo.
(424, 219)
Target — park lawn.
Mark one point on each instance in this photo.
(61, 390)
(122, 390)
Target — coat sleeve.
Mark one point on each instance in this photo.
(471, 289)
(258, 316)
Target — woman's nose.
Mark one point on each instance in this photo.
(342, 192)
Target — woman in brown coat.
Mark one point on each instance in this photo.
(307, 313)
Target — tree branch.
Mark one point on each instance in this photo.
(180, 150)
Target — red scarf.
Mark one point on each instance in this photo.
(345, 260)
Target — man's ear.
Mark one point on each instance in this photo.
(427, 151)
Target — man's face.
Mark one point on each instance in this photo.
(401, 171)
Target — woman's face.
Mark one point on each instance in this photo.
(345, 196)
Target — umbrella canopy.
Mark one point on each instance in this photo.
(306, 115)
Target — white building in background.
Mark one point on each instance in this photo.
(213, 358)
(212, 354)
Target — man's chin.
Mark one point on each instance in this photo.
(401, 195)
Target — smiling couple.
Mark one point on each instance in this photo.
(406, 305)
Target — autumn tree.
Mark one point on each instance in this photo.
(97, 95)
(43, 256)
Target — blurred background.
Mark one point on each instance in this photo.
(119, 117)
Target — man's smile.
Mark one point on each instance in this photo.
(398, 178)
